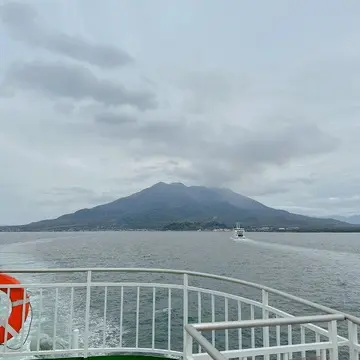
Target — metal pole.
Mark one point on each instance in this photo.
(87, 314)
(75, 339)
(185, 314)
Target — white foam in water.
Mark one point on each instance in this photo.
(314, 252)
(164, 310)
(240, 240)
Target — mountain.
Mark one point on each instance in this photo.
(163, 205)
(353, 219)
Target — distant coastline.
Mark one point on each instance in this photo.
(152, 230)
(188, 227)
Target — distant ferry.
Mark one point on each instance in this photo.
(239, 232)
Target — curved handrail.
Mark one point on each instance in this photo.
(300, 300)
(202, 290)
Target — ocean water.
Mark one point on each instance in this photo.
(324, 268)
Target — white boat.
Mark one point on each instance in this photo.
(239, 232)
(57, 313)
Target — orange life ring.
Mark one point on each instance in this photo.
(20, 305)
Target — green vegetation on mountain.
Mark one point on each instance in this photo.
(178, 207)
(191, 226)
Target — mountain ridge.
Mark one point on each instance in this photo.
(352, 219)
(162, 204)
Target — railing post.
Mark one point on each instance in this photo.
(265, 315)
(75, 339)
(353, 340)
(333, 339)
(323, 354)
(188, 350)
(186, 336)
(87, 314)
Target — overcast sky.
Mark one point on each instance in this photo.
(99, 99)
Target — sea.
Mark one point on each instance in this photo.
(321, 267)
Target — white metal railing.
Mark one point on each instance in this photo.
(286, 350)
(86, 312)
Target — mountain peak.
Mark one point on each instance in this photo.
(164, 185)
(160, 183)
(178, 184)
(164, 203)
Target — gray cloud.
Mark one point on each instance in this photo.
(76, 194)
(282, 186)
(74, 82)
(114, 119)
(24, 24)
(64, 108)
(208, 89)
(215, 156)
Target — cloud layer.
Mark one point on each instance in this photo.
(74, 82)
(24, 24)
(177, 98)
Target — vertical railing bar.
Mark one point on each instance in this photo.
(75, 340)
(71, 316)
(199, 314)
(185, 310)
(252, 316)
(55, 317)
(334, 340)
(265, 315)
(302, 340)
(188, 353)
(278, 340)
(40, 315)
(317, 340)
(239, 330)
(23, 320)
(6, 323)
(323, 354)
(153, 319)
(137, 317)
(351, 341)
(226, 319)
(290, 339)
(87, 314)
(213, 318)
(356, 339)
(169, 319)
(105, 311)
(121, 314)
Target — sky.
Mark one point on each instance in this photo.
(100, 99)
